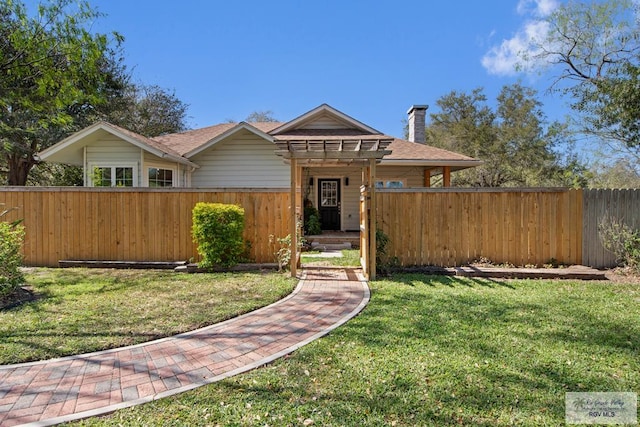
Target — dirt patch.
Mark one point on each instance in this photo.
(17, 297)
(623, 275)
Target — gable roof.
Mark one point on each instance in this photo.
(194, 141)
(133, 138)
(327, 112)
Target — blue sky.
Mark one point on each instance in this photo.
(369, 59)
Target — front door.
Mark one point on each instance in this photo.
(329, 203)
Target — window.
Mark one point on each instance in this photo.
(329, 194)
(160, 177)
(113, 176)
(101, 177)
(390, 183)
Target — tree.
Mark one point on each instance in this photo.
(619, 174)
(148, 110)
(51, 65)
(261, 116)
(596, 47)
(465, 124)
(512, 141)
(528, 152)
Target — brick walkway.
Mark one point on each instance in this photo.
(59, 390)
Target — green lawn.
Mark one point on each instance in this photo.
(349, 258)
(83, 310)
(434, 351)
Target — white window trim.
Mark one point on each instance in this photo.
(149, 165)
(132, 165)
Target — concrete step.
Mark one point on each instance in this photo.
(323, 246)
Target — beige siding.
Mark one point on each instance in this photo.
(412, 175)
(153, 161)
(241, 161)
(113, 151)
(324, 122)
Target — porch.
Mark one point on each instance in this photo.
(334, 240)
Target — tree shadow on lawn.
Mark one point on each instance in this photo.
(536, 342)
(344, 405)
(416, 279)
(405, 396)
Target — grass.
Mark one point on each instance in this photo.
(434, 351)
(349, 258)
(84, 310)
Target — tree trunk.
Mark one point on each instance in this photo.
(19, 169)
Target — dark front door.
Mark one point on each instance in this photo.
(329, 203)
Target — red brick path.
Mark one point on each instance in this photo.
(54, 391)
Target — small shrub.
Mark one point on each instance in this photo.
(312, 225)
(621, 240)
(217, 230)
(282, 248)
(382, 242)
(11, 238)
(384, 264)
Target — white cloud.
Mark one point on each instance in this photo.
(538, 8)
(503, 59)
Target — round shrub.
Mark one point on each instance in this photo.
(217, 230)
(11, 237)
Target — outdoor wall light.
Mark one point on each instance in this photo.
(310, 182)
(346, 181)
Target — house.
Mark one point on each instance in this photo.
(250, 155)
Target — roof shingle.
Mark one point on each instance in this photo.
(185, 142)
(401, 150)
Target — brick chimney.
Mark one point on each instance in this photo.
(417, 115)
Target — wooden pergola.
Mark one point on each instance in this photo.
(363, 153)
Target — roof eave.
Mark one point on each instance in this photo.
(71, 139)
(461, 164)
(180, 160)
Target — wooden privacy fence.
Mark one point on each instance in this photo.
(602, 205)
(457, 226)
(443, 227)
(447, 227)
(134, 224)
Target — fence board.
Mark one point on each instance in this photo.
(599, 204)
(133, 224)
(506, 226)
(425, 226)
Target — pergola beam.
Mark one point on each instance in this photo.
(339, 155)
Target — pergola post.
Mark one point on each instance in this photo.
(372, 219)
(293, 227)
(446, 176)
